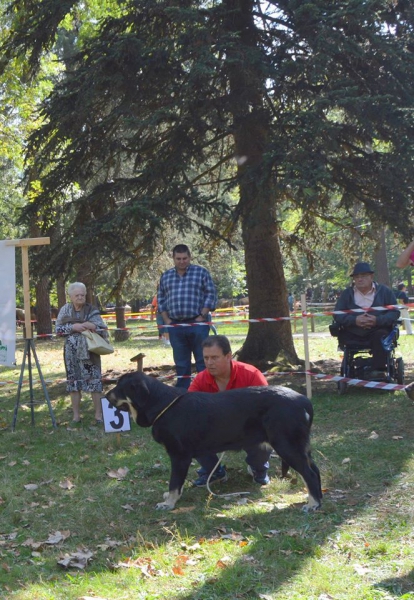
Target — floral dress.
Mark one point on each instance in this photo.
(83, 369)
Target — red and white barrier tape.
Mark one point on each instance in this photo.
(363, 383)
(321, 376)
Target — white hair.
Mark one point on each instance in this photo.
(76, 285)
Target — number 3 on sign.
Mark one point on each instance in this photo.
(115, 420)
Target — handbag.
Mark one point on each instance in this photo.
(96, 343)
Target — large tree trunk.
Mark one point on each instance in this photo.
(382, 274)
(257, 206)
(265, 278)
(43, 316)
(61, 291)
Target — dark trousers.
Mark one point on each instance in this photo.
(372, 339)
(186, 341)
(257, 457)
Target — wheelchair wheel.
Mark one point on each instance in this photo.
(400, 370)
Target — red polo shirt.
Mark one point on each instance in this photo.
(242, 375)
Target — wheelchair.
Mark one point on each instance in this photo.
(357, 359)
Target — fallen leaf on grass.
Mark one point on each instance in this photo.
(397, 437)
(13, 463)
(181, 561)
(143, 564)
(121, 473)
(272, 532)
(292, 533)
(30, 543)
(127, 507)
(346, 461)
(239, 501)
(235, 537)
(361, 570)
(77, 560)
(280, 505)
(373, 436)
(182, 509)
(31, 487)
(66, 484)
(57, 536)
(224, 562)
(193, 547)
(46, 482)
(109, 544)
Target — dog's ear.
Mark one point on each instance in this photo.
(136, 390)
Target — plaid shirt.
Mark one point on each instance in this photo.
(184, 297)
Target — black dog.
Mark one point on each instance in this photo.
(190, 424)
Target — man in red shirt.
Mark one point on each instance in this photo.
(223, 373)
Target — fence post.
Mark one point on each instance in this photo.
(306, 346)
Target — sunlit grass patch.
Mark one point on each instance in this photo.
(100, 490)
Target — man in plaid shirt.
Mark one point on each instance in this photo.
(186, 296)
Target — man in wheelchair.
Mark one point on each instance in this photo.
(366, 329)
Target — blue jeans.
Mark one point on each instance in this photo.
(185, 342)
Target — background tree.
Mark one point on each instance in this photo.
(169, 105)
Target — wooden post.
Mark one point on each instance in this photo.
(139, 359)
(312, 319)
(29, 347)
(306, 346)
(24, 245)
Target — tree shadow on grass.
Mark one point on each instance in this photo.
(269, 541)
(358, 468)
(402, 586)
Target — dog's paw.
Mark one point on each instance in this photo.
(163, 506)
(311, 507)
(170, 500)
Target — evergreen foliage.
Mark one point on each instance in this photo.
(169, 105)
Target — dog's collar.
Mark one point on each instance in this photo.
(167, 407)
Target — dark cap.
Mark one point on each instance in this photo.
(361, 267)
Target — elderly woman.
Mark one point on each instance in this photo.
(83, 369)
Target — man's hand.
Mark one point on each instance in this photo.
(366, 321)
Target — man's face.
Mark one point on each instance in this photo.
(181, 260)
(363, 282)
(217, 363)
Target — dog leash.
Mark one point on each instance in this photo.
(222, 495)
(218, 462)
(167, 407)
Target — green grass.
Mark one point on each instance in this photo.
(358, 546)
